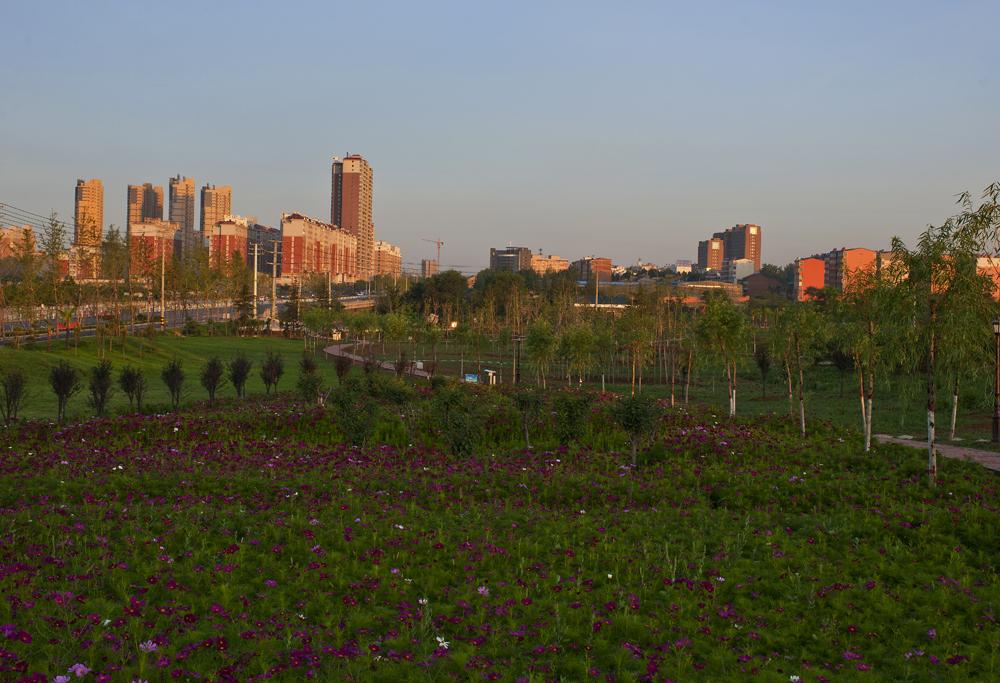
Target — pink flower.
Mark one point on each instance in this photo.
(483, 590)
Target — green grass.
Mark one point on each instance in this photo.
(899, 404)
(150, 355)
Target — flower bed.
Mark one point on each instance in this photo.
(249, 544)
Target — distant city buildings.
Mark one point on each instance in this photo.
(151, 242)
(511, 259)
(216, 205)
(309, 246)
(593, 267)
(88, 218)
(181, 210)
(12, 240)
(682, 267)
(145, 203)
(388, 259)
(710, 254)
(228, 241)
(734, 270)
(548, 264)
(267, 241)
(351, 207)
(740, 242)
(428, 267)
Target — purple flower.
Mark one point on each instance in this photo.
(932, 633)
(483, 590)
(79, 670)
(60, 679)
(851, 655)
(148, 646)
(270, 583)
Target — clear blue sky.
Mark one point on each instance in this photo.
(628, 131)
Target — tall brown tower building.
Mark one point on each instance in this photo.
(742, 242)
(351, 207)
(88, 222)
(182, 208)
(216, 204)
(145, 203)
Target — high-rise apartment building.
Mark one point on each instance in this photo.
(593, 267)
(351, 207)
(810, 274)
(88, 221)
(514, 259)
(741, 242)
(216, 205)
(145, 203)
(711, 254)
(267, 241)
(310, 246)
(182, 209)
(388, 259)
(151, 245)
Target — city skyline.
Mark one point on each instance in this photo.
(480, 126)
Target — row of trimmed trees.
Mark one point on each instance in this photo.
(66, 381)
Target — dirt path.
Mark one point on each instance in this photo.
(988, 459)
(341, 350)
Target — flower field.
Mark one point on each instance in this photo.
(253, 543)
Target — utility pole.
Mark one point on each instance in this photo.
(274, 279)
(255, 246)
(163, 281)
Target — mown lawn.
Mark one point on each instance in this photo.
(252, 543)
(150, 355)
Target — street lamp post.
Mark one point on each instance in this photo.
(996, 382)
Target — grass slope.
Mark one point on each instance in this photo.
(150, 355)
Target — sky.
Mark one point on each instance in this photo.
(629, 130)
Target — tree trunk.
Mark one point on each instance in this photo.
(673, 374)
(931, 403)
(788, 375)
(802, 400)
(687, 376)
(954, 410)
(867, 407)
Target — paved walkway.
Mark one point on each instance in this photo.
(342, 350)
(988, 459)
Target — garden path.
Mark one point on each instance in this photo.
(988, 459)
(342, 350)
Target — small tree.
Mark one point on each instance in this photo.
(763, 359)
(571, 414)
(310, 384)
(637, 416)
(239, 373)
(540, 348)
(271, 371)
(529, 404)
(724, 327)
(355, 412)
(133, 384)
(213, 376)
(342, 365)
(65, 382)
(101, 386)
(13, 390)
(173, 376)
